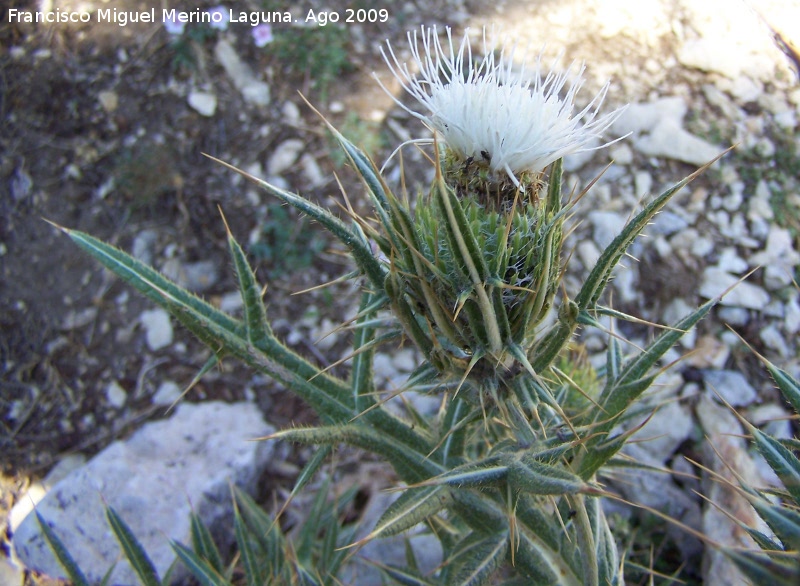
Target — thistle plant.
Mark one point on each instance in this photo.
(508, 473)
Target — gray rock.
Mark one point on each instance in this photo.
(735, 316)
(731, 385)
(621, 154)
(115, 394)
(677, 309)
(167, 393)
(736, 60)
(153, 480)
(730, 262)
(383, 367)
(671, 141)
(253, 91)
(109, 100)
(743, 294)
(772, 338)
(144, 245)
(657, 490)
(607, 226)
(791, 322)
(588, 253)
(203, 103)
(639, 118)
(79, 318)
(285, 155)
(195, 276)
(667, 223)
(773, 420)
(405, 360)
(717, 98)
(667, 428)
(643, 182)
(779, 257)
(158, 328)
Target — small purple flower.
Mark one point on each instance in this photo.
(174, 26)
(262, 35)
(220, 17)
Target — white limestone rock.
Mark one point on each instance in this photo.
(254, 91)
(153, 480)
(670, 141)
(285, 155)
(158, 329)
(730, 385)
(742, 294)
(203, 103)
(779, 258)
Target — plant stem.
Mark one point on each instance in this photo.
(586, 542)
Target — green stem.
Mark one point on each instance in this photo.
(586, 542)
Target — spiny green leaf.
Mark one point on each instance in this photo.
(259, 331)
(249, 550)
(620, 392)
(613, 359)
(784, 521)
(222, 333)
(534, 477)
(62, 554)
(310, 469)
(258, 522)
(763, 541)
(608, 563)
(788, 385)
(361, 377)
(596, 282)
(365, 168)
(204, 545)
(481, 474)
(412, 464)
(762, 569)
(414, 506)
(405, 576)
(200, 568)
(782, 461)
(454, 430)
(134, 552)
(149, 281)
(477, 558)
(542, 565)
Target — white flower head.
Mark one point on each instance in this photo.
(491, 113)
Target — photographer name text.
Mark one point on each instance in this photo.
(253, 18)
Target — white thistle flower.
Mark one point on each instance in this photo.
(491, 113)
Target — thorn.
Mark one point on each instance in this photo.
(58, 226)
(224, 221)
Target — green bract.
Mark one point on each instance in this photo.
(474, 272)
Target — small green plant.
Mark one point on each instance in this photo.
(320, 54)
(285, 244)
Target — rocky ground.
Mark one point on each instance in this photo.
(103, 131)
